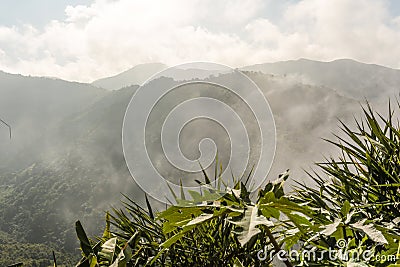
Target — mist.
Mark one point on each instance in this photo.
(65, 159)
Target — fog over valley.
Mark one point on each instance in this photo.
(65, 161)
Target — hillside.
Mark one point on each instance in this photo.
(32, 255)
(350, 78)
(33, 106)
(80, 179)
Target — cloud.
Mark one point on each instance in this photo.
(107, 37)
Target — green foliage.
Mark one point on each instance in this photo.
(136, 241)
(32, 255)
(229, 231)
(360, 198)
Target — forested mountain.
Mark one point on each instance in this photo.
(34, 107)
(68, 168)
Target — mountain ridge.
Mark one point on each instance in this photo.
(132, 76)
(319, 61)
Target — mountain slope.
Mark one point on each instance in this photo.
(304, 114)
(33, 106)
(350, 78)
(13, 252)
(82, 175)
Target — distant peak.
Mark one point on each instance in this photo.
(133, 76)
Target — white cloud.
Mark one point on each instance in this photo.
(107, 36)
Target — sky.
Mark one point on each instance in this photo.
(84, 40)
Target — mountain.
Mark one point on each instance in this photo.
(134, 76)
(348, 77)
(304, 114)
(141, 73)
(32, 106)
(308, 97)
(80, 173)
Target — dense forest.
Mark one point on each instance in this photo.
(30, 254)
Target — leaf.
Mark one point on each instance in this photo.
(151, 214)
(249, 222)
(293, 238)
(282, 204)
(187, 227)
(269, 212)
(281, 178)
(299, 219)
(331, 228)
(371, 231)
(169, 242)
(345, 208)
(120, 261)
(183, 197)
(93, 261)
(202, 218)
(235, 192)
(107, 233)
(178, 217)
(349, 217)
(83, 239)
(196, 196)
(108, 249)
